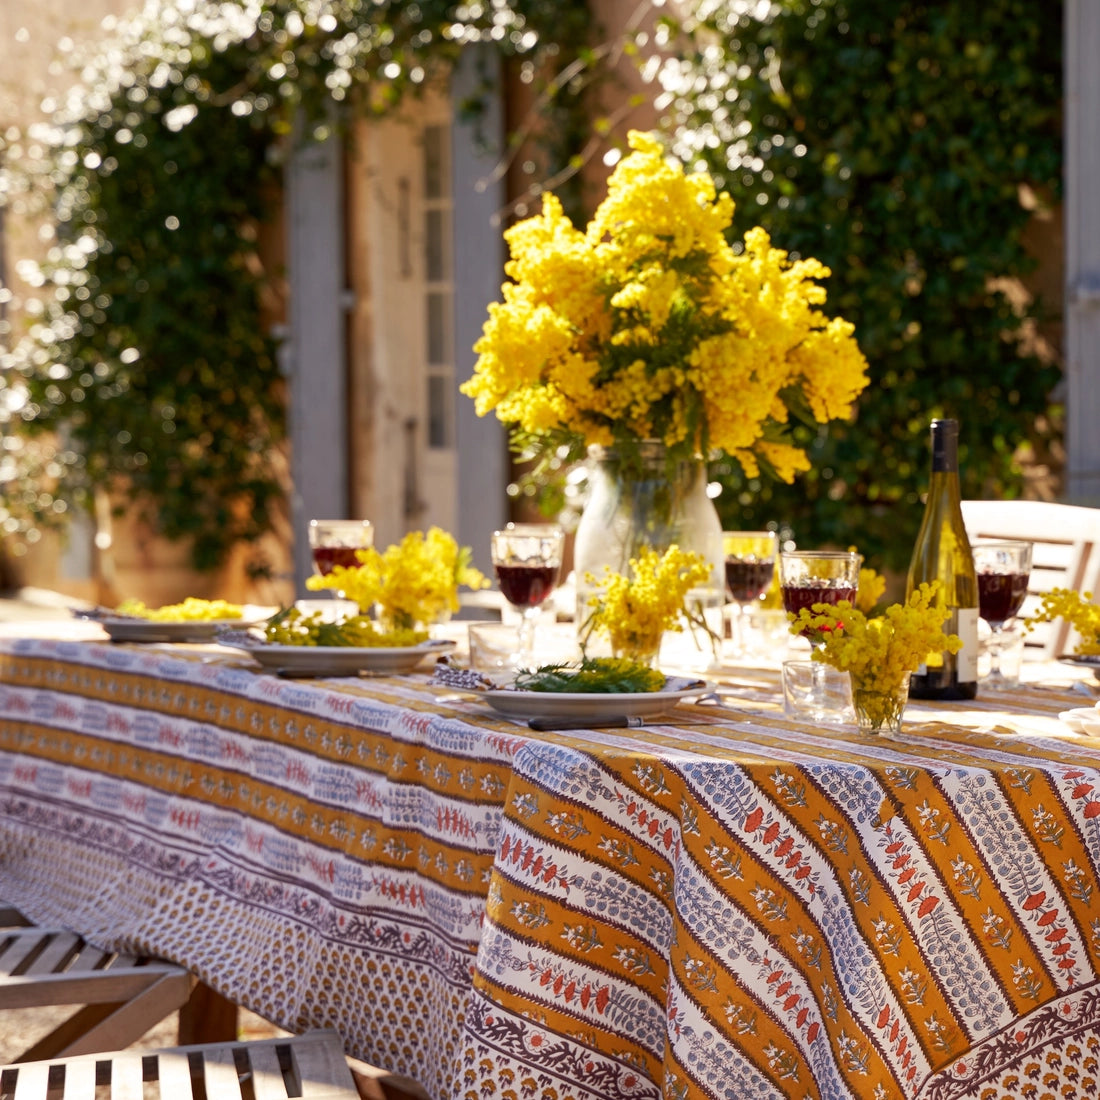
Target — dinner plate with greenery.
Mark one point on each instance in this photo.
(193, 620)
(149, 630)
(596, 688)
(338, 660)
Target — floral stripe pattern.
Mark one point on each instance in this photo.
(725, 905)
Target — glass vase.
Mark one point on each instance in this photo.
(879, 706)
(637, 498)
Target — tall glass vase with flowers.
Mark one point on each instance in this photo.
(648, 341)
(639, 501)
(878, 653)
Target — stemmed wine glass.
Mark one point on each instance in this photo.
(750, 567)
(807, 577)
(334, 542)
(1003, 570)
(527, 560)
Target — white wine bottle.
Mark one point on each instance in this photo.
(942, 553)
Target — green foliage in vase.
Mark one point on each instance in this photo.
(912, 147)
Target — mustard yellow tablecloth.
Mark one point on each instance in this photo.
(723, 904)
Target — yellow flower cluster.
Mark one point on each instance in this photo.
(650, 325)
(635, 610)
(1078, 610)
(191, 609)
(414, 581)
(883, 649)
(872, 585)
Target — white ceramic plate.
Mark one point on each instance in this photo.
(570, 705)
(339, 660)
(1082, 720)
(148, 630)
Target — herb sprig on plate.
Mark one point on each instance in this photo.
(593, 675)
(291, 627)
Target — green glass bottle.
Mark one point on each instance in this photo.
(942, 552)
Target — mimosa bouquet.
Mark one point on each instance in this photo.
(409, 585)
(878, 652)
(650, 326)
(190, 610)
(1079, 610)
(633, 611)
(870, 589)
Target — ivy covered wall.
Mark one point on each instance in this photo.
(910, 146)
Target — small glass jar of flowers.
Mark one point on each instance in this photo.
(409, 585)
(879, 653)
(633, 610)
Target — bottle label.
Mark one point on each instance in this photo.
(966, 626)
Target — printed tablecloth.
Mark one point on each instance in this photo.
(726, 905)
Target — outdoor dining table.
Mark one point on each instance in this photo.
(725, 902)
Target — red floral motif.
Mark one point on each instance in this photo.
(13, 704)
(526, 858)
(458, 824)
(1082, 790)
(792, 860)
(919, 891)
(569, 990)
(650, 823)
(788, 1001)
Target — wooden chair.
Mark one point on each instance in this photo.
(311, 1066)
(1066, 554)
(10, 917)
(120, 996)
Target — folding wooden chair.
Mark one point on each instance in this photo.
(10, 917)
(120, 996)
(311, 1066)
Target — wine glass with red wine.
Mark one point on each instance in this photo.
(1003, 569)
(527, 560)
(750, 568)
(333, 542)
(808, 577)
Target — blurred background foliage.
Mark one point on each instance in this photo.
(913, 148)
(910, 146)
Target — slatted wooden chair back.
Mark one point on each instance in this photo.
(121, 996)
(310, 1066)
(1065, 554)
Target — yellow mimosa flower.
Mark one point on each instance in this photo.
(414, 581)
(649, 324)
